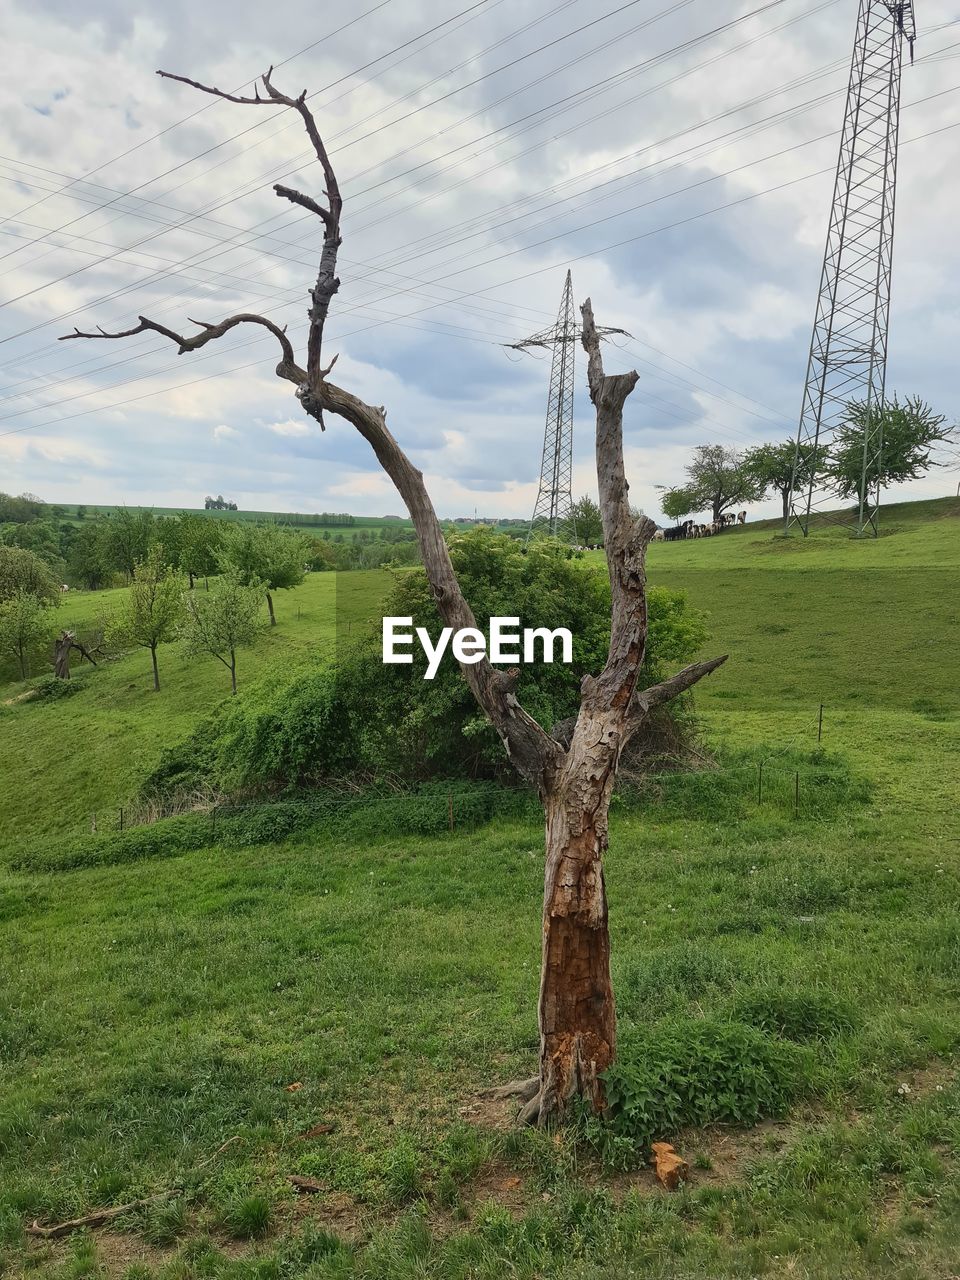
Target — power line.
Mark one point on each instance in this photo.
(516, 279)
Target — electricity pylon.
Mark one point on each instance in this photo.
(553, 510)
(848, 352)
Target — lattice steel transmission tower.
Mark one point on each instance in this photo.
(553, 510)
(848, 352)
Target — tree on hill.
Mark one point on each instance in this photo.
(267, 554)
(23, 572)
(26, 627)
(677, 503)
(224, 620)
(88, 561)
(718, 480)
(128, 536)
(199, 543)
(588, 521)
(573, 778)
(772, 466)
(911, 430)
(153, 608)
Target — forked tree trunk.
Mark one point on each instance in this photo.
(576, 1011)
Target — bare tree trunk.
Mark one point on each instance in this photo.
(578, 1022)
(233, 671)
(273, 617)
(156, 672)
(61, 655)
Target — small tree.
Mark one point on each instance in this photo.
(199, 544)
(267, 554)
(677, 503)
(23, 572)
(26, 626)
(719, 480)
(588, 520)
(772, 466)
(128, 537)
(153, 609)
(224, 620)
(910, 432)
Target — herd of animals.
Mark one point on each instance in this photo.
(690, 528)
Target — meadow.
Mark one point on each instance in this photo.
(333, 1007)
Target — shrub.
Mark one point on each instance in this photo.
(386, 721)
(691, 1072)
(797, 1015)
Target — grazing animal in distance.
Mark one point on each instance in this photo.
(742, 518)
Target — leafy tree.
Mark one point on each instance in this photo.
(26, 626)
(772, 466)
(200, 539)
(88, 561)
(911, 431)
(588, 521)
(677, 503)
(224, 620)
(153, 608)
(19, 510)
(23, 571)
(416, 728)
(128, 538)
(267, 554)
(42, 537)
(81, 512)
(719, 480)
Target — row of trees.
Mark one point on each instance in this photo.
(160, 608)
(102, 551)
(720, 479)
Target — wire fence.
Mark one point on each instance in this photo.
(781, 780)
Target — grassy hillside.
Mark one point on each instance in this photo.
(363, 986)
(69, 759)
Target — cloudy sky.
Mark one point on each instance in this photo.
(677, 157)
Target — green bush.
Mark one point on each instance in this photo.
(697, 1072)
(797, 1015)
(364, 717)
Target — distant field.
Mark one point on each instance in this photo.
(300, 520)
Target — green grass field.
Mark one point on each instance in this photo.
(365, 987)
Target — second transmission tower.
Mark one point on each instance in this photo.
(553, 510)
(848, 353)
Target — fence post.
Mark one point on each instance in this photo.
(450, 809)
(760, 783)
(820, 724)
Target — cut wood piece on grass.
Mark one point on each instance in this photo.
(671, 1169)
(318, 1131)
(306, 1186)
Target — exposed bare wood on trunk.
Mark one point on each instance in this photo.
(574, 779)
(65, 643)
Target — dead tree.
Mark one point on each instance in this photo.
(64, 644)
(576, 1009)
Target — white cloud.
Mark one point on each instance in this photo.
(291, 427)
(224, 433)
